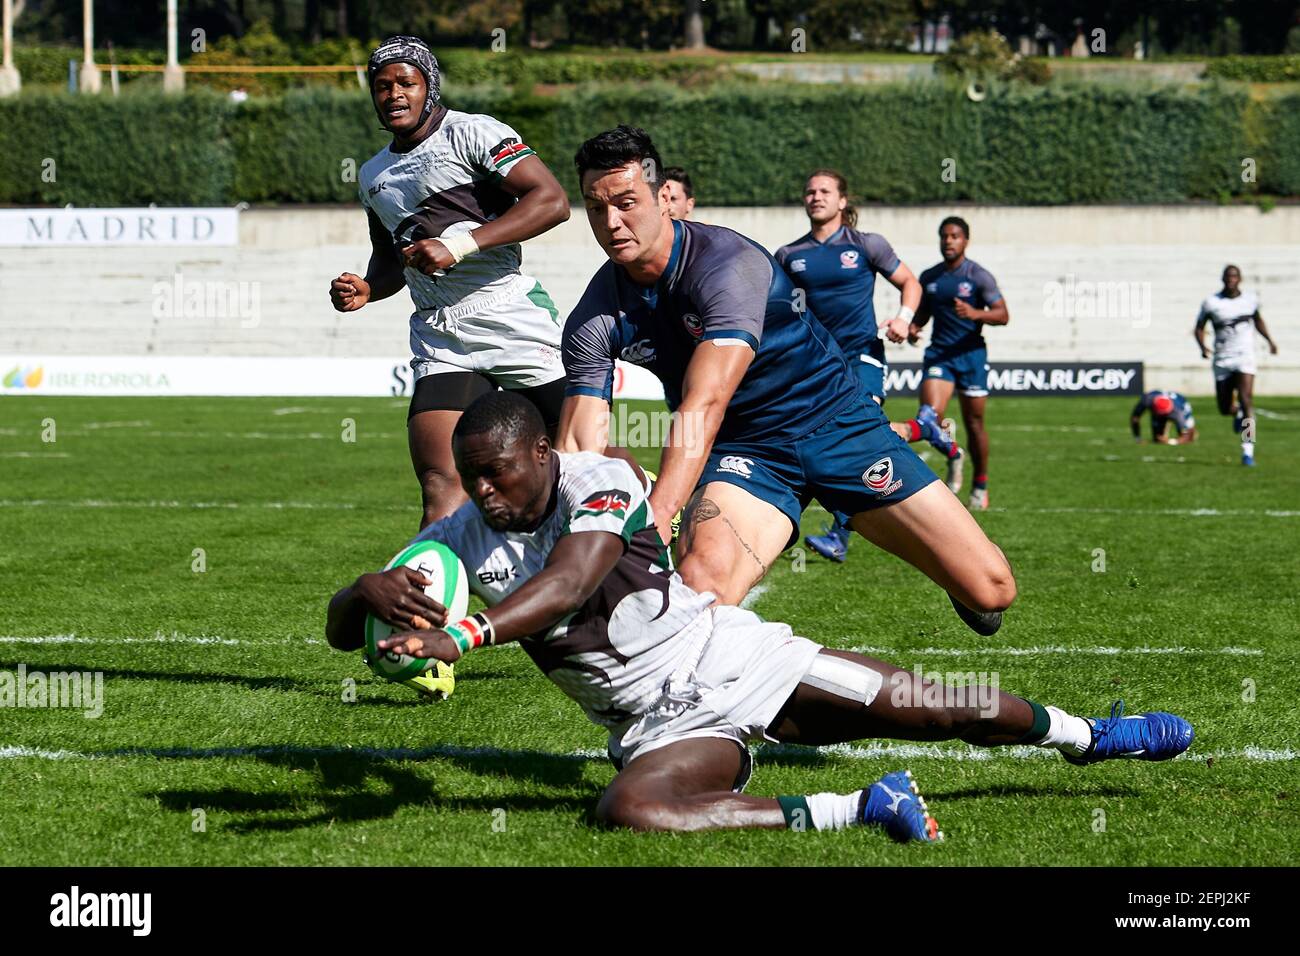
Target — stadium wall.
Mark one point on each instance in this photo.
(267, 296)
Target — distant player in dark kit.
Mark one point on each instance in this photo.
(836, 265)
(1234, 313)
(766, 414)
(449, 201)
(1168, 409)
(564, 550)
(681, 193)
(962, 297)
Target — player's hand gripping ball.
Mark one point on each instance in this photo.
(448, 587)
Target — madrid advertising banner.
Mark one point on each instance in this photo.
(212, 375)
(152, 226)
(1036, 378)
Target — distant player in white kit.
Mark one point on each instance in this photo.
(449, 201)
(1234, 312)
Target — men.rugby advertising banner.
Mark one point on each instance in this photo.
(1036, 378)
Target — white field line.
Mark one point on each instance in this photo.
(1034, 651)
(198, 505)
(1046, 649)
(874, 751)
(35, 454)
(1155, 512)
(155, 639)
(1265, 413)
(756, 592)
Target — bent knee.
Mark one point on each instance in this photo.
(634, 813)
(702, 575)
(995, 590)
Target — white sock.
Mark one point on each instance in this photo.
(1248, 448)
(1066, 732)
(834, 811)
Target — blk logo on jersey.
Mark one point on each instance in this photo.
(694, 324)
(498, 576)
(374, 190)
(880, 478)
(849, 259)
(736, 465)
(612, 502)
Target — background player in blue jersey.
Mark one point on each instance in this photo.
(962, 297)
(836, 266)
(767, 415)
(1166, 408)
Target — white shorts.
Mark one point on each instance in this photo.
(1230, 366)
(511, 335)
(747, 672)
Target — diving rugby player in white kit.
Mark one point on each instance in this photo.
(449, 201)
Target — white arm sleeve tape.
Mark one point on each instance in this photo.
(905, 314)
(843, 678)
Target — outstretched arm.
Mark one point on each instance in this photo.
(714, 373)
(575, 568)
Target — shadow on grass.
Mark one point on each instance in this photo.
(317, 688)
(347, 780)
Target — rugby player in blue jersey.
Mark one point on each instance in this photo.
(836, 266)
(962, 297)
(767, 414)
(1166, 408)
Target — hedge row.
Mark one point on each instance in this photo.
(1256, 69)
(744, 145)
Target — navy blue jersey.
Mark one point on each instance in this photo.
(1181, 414)
(718, 286)
(941, 287)
(840, 278)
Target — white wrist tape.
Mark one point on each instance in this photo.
(459, 244)
(905, 314)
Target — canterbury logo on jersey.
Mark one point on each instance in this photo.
(638, 353)
(736, 465)
(613, 502)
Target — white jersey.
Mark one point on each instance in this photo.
(642, 625)
(1234, 328)
(449, 183)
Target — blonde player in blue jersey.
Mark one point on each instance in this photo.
(836, 265)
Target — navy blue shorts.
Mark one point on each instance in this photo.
(852, 463)
(870, 368)
(969, 371)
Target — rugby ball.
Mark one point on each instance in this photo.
(439, 564)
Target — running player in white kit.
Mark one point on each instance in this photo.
(449, 201)
(1234, 312)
